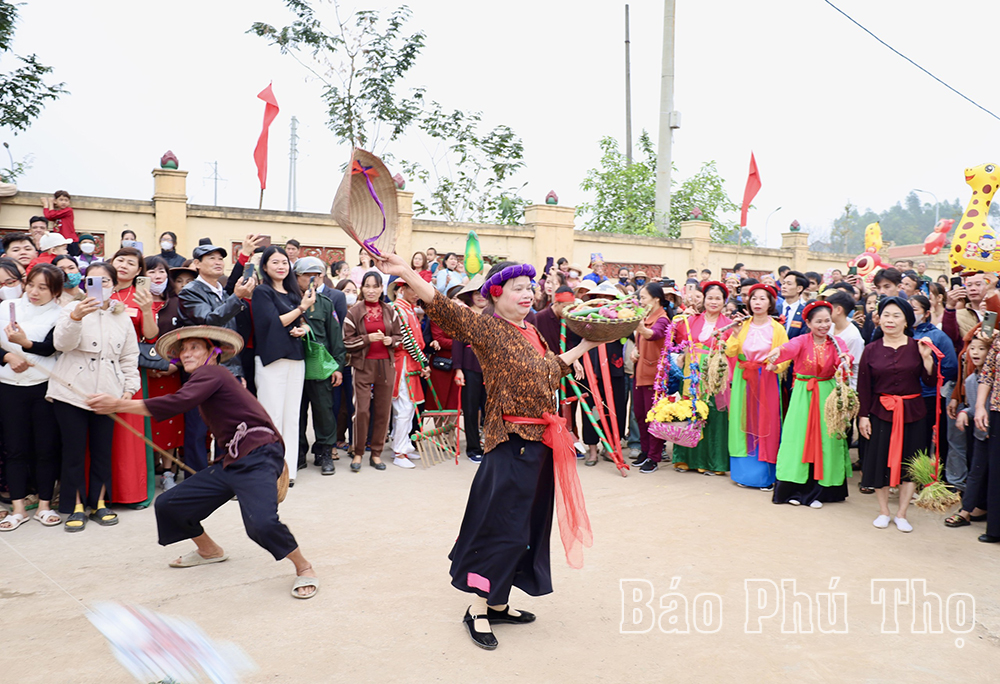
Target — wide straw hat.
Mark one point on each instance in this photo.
(356, 206)
(229, 341)
(474, 284)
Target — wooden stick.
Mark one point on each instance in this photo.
(115, 417)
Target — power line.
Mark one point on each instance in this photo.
(960, 94)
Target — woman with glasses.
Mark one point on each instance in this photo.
(99, 355)
(32, 443)
(11, 279)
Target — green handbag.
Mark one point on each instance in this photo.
(320, 365)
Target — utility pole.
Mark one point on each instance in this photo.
(628, 95)
(215, 178)
(669, 120)
(293, 155)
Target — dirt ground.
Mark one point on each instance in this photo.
(387, 613)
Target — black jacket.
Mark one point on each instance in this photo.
(200, 305)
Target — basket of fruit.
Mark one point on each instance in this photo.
(604, 320)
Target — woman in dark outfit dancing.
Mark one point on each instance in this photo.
(529, 460)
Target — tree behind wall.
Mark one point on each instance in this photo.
(363, 61)
(23, 90)
(625, 196)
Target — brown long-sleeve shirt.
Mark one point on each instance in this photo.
(519, 381)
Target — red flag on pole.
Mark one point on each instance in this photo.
(753, 185)
(260, 152)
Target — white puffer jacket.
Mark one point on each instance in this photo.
(100, 355)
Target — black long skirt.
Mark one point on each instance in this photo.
(875, 471)
(807, 492)
(504, 539)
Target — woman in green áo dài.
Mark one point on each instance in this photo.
(812, 467)
(711, 455)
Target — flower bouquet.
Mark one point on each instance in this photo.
(677, 419)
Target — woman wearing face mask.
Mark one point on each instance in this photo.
(88, 245)
(11, 279)
(127, 236)
(711, 455)
(343, 394)
(371, 333)
(278, 306)
(169, 434)
(168, 250)
(99, 355)
(133, 469)
(812, 466)
(754, 402)
(72, 290)
(31, 439)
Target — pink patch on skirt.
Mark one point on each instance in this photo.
(478, 582)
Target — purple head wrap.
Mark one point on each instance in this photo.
(506, 274)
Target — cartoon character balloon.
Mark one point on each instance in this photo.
(935, 241)
(869, 263)
(974, 246)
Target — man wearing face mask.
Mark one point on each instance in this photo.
(88, 245)
(168, 250)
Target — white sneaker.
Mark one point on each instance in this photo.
(881, 522)
(816, 504)
(168, 481)
(903, 525)
(795, 502)
(403, 462)
(415, 456)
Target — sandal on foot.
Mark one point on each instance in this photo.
(193, 558)
(78, 520)
(305, 582)
(956, 521)
(588, 462)
(12, 522)
(104, 516)
(504, 617)
(48, 518)
(484, 640)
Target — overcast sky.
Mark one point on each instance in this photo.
(830, 114)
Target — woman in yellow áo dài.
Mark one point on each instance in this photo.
(755, 402)
(711, 455)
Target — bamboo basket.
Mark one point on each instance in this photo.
(599, 331)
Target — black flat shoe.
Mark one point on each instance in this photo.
(355, 467)
(104, 516)
(373, 464)
(327, 465)
(484, 640)
(505, 618)
(987, 539)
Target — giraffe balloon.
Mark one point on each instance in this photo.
(975, 244)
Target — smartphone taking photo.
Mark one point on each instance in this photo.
(989, 323)
(95, 288)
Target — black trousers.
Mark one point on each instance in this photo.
(993, 477)
(32, 442)
(81, 428)
(252, 479)
(977, 480)
(473, 404)
(318, 394)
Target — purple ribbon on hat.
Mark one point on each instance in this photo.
(515, 271)
(369, 244)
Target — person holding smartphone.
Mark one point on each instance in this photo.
(132, 467)
(30, 442)
(100, 354)
(278, 324)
